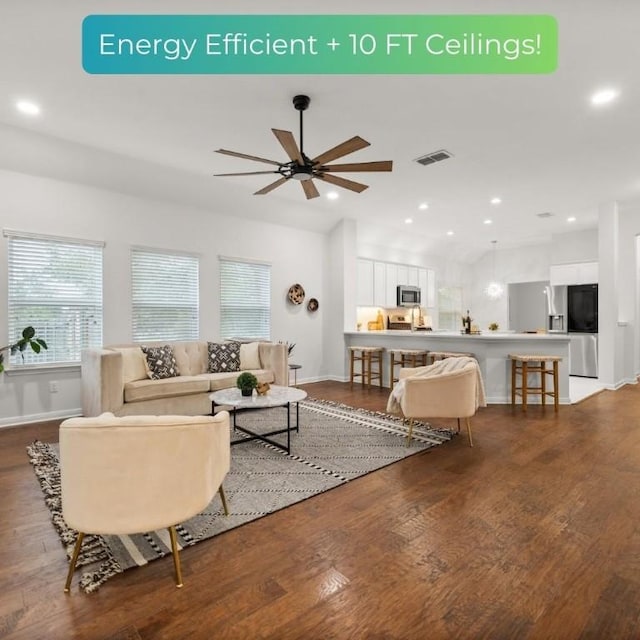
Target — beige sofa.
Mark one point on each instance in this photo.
(115, 379)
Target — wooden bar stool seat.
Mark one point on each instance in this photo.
(405, 358)
(523, 365)
(366, 356)
(441, 355)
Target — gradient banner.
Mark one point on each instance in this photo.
(319, 44)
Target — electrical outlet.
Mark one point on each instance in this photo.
(53, 386)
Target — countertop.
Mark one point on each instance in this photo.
(485, 335)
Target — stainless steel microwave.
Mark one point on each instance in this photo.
(408, 296)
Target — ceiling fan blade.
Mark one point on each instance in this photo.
(343, 149)
(382, 165)
(342, 182)
(245, 173)
(270, 187)
(235, 154)
(289, 144)
(310, 189)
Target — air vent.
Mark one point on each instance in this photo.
(545, 214)
(436, 156)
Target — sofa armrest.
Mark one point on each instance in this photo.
(102, 381)
(275, 357)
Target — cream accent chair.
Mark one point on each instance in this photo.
(453, 394)
(124, 475)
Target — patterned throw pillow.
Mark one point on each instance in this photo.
(161, 362)
(224, 356)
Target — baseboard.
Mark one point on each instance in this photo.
(39, 417)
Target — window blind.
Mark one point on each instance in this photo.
(450, 308)
(55, 286)
(245, 299)
(165, 295)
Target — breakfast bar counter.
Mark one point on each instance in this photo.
(491, 350)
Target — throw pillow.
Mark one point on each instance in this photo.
(224, 356)
(250, 356)
(161, 362)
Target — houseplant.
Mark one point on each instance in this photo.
(246, 382)
(28, 339)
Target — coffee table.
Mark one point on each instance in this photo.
(277, 396)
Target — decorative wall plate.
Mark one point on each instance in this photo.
(312, 305)
(296, 294)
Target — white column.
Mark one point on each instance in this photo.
(610, 363)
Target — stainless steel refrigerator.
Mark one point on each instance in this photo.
(582, 325)
(573, 310)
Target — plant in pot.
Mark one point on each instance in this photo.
(28, 339)
(246, 382)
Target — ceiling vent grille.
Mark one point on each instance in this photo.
(545, 214)
(436, 156)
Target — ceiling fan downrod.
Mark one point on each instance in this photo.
(301, 103)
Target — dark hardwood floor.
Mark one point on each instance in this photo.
(533, 533)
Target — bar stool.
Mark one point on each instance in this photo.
(441, 355)
(526, 364)
(405, 358)
(366, 356)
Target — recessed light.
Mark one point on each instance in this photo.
(449, 233)
(332, 195)
(27, 107)
(604, 97)
(423, 206)
(571, 219)
(496, 200)
(408, 220)
(488, 221)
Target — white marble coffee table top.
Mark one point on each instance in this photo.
(277, 396)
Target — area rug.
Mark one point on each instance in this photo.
(335, 444)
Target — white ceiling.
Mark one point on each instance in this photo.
(535, 141)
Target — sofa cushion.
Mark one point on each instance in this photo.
(191, 357)
(250, 356)
(164, 388)
(224, 357)
(134, 364)
(227, 380)
(161, 362)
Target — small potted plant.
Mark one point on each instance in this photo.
(494, 326)
(28, 339)
(246, 382)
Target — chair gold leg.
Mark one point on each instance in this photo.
(224, 501)
(74, 559)
(176, 557)
(458, 419)
(469, 432)
(410, 431)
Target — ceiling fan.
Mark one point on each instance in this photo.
(304, 169)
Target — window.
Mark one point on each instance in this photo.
(245, 299)
(450, 308)
(165, 295)
(55, 285)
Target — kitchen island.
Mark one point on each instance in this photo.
(491, 349)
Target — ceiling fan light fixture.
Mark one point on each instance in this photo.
(302, 174)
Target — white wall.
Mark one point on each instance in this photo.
(47, 206)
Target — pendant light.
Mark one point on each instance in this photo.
(494, 289)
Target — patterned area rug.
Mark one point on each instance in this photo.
(336, 443)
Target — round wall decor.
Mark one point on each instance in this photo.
(313, 305)
(296, 294)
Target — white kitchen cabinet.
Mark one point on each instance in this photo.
(412, 277)
(588, 273)
(426, 282)
(364, 292)
(379, 284)
(574, 273)
(391, 284)
(403, 274)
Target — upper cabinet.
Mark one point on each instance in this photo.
(378, 282)
(364, 294)
(574, 273)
